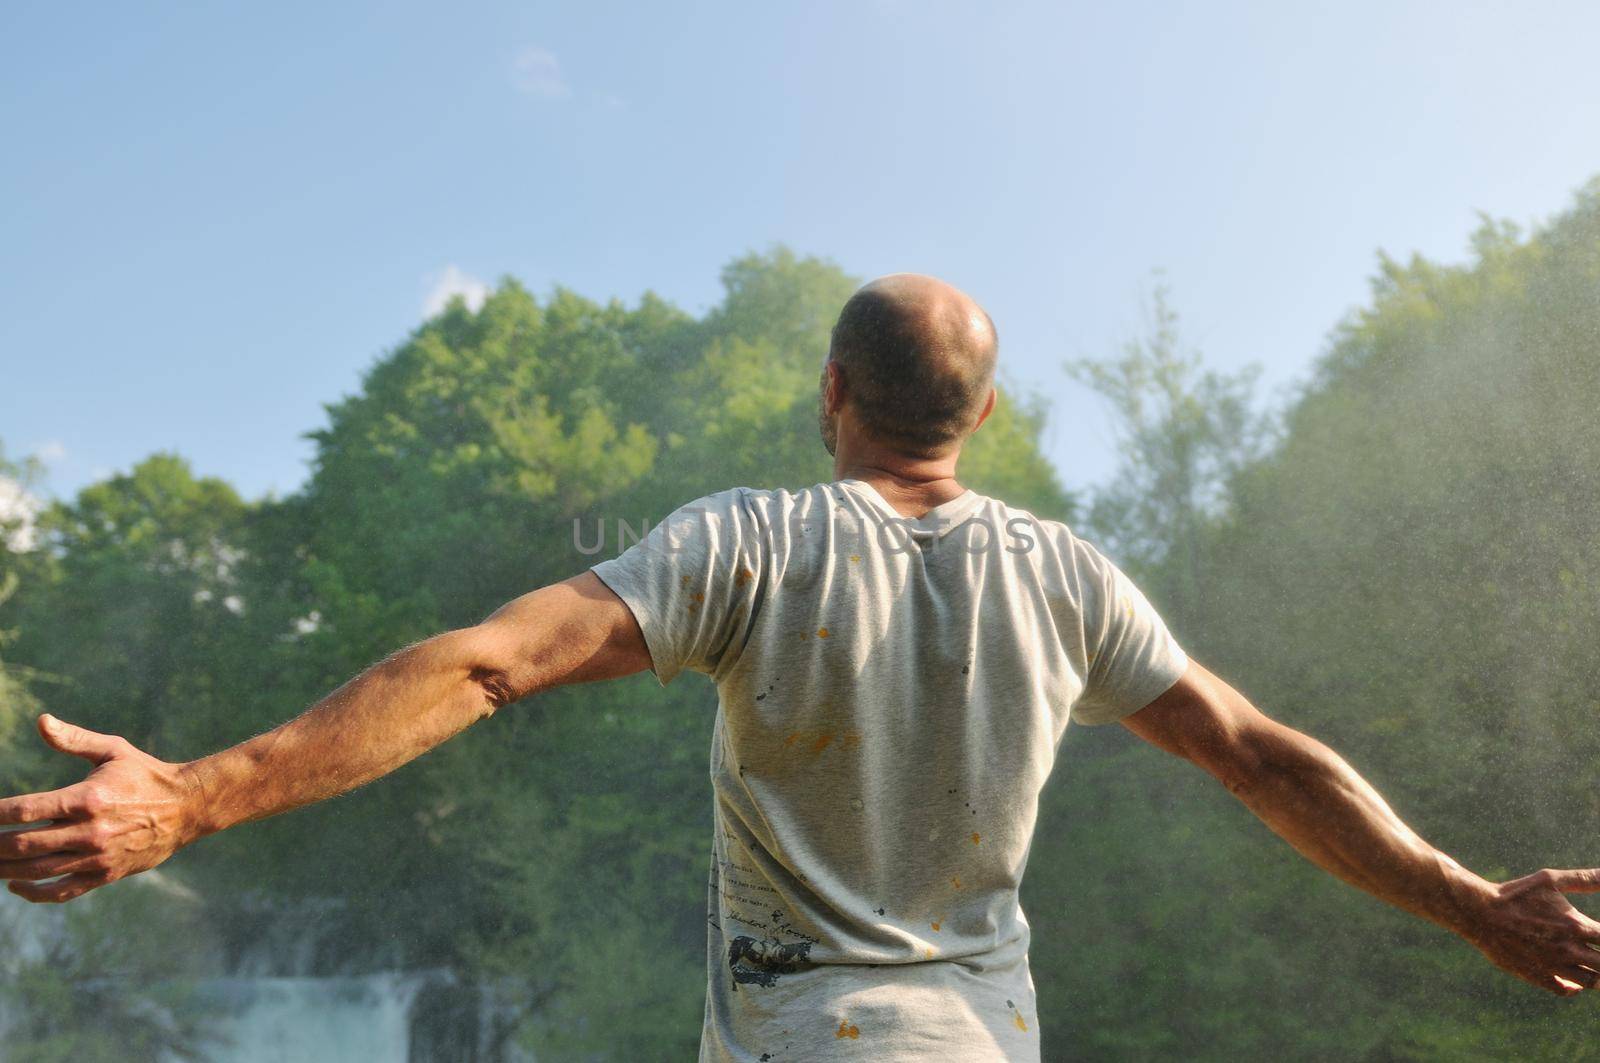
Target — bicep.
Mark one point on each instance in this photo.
(1203, 719)
(575, 631)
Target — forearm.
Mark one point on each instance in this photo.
(1312, 798)
(388, 715)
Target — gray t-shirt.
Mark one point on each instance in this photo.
(891, 696)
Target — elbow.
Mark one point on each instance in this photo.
(477, 655)
(496, 685)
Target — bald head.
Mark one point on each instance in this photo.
(918, 359)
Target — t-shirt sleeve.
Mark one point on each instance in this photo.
(1131, 656)
(692, 583)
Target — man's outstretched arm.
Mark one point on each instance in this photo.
(1308, 794)
(133, 811)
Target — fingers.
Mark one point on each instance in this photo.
(29, 808)
(44, 841)
(62, 889)
(1584, 880)
(1560, 985)
(1585, 928)
(80, 741)
(46, 866)
(1582, 977)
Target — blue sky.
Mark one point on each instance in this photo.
(214, 217)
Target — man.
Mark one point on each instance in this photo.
(897, 658)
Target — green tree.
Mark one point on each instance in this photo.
(556, 855)
(1409, 574)
(1182, 432)
(111, 980)
(132, 589)
(21, 759)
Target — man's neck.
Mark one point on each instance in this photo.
(912, 486)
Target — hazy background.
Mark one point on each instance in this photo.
(269, 411)
(212, 219)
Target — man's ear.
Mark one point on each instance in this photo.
(988, 408)
(832, 386)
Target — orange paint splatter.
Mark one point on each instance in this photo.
(1016, 1017)
(822, 632)
(935, 925)
(816, 742)
(697, 596)
(846, 1030)
(956, 882)
(928, 952)
(855, 559)
(744, 576)
(976, 837)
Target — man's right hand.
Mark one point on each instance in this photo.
(129, 814)
(1528, 928)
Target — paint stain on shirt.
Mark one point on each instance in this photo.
(847, 1030)
(814, 742)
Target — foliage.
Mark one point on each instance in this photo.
(1407, 572)
(1410, 575)
(1183, 433)
(111, 978)
(562, 845)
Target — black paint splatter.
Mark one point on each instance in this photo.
(761, 962)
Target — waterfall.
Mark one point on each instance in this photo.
(146, 948)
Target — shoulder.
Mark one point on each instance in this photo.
(754, 513)
(766, 502)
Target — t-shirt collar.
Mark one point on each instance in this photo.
(937, 522)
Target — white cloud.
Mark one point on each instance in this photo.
(449, 282)
(50, 451)
(537, 72)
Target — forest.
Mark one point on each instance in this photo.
(1401, 561)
